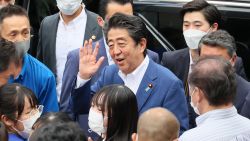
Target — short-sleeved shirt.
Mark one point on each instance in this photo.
(15, 137)
(37, 77)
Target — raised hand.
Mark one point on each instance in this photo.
(88, 65)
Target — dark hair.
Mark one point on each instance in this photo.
(51, 117)
(12, 100)
(104, 4)
(7, 54)
(210, 12)
(121, 106)
(59, 131)
(219, 39)
(3, 132)
(11, 10)
(133, 24)
(215, 77)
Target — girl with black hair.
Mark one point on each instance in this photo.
(18, 110)
(114, 113)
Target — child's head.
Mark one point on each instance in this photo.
(18, 108)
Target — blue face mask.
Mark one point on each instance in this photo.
(68, 7)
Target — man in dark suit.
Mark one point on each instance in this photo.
(63, 32)
(199, 18)
(154, 85)
(221, 43)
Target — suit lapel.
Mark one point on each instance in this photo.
(91, 28)
(185, 64)
(53, 33)
(147, 85)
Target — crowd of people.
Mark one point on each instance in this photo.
(93, 78)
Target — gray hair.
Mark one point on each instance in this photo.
(219, 39)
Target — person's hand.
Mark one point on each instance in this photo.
(88, 65)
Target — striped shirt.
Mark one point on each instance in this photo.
(219, 125)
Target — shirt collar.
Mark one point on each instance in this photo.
(216, 114)
(140, 69)
(76, 19)
(190, 58)
(25, 62)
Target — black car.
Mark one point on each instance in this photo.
(164, 22)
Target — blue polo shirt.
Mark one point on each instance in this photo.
(37, 77)
(15, 137)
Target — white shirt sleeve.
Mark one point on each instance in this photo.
(80, 82)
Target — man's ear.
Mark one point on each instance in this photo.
(100, 21)
(133, 136)
(7, 121)
(143, 44)
(215, 27)
(233, 59)
(200, 96)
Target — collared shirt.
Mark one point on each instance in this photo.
(37, 77)
(191, 62)
(110, 60)
(218, 125)
(15, 137)
(69, 37)
(133, 80)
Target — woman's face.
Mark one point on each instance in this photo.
(98, 110)
(28, 111)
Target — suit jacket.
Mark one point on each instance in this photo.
(178, 62)
(47, 37)
(242, 98)
(167, 92)
(72, 68)
(245, 108)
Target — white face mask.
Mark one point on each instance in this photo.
(68, 7)
(193, 37)
(192, 104)
(96, 122)
(28, 123)
(22, 47)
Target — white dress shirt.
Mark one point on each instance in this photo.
(69, 37)
(190, 62)
(218, 125)
(132, 80)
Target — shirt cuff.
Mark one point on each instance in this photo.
(80, 82)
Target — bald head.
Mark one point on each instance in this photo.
(158, 124)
